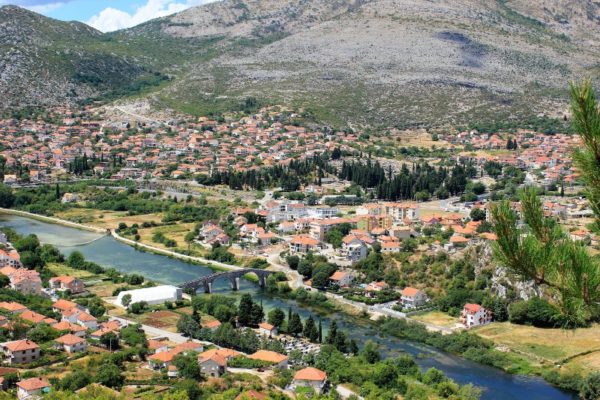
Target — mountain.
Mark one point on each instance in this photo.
(375, 63)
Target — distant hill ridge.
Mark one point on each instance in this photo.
(350, 63)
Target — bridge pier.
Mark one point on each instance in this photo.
(234, 281)
(262, 280)
(208, 287)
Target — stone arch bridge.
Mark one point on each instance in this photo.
(233, 277)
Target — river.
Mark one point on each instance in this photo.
(108, 252)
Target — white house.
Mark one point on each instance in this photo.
(341, 278)
(71, 343)
(266, 329)
(475, 315)
(353, 248)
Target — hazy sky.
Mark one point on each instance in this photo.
(106, 15)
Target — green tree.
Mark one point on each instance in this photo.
(294, 325)
(126, 300)
(138, 307)
(187, 366)
(7, 198)
(109, 375)
(310, 330)
(75, 381)
(544, 252)
(76, 260)
(477, 214)
(276, 317)
(245, 310)
(590, 387)
(188, 326)
(370, 352)
(189, 239)
(110, 340)
(133, 335)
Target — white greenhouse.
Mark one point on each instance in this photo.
(152, 295)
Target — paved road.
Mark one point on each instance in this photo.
(346, 393)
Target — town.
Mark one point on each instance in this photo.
(324, 214)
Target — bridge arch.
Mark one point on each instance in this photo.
(233, 276)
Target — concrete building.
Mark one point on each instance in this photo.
(64, 283)
(475, 315)
(32, 388)
(71, 343)
(278, 360)
(21, 351)
(310, 377)
(412, 298)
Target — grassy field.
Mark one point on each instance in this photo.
(105, 288)
(175, 232)
(554, 345)
(436, 318)
(62, 269)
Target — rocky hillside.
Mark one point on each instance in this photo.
(48, 62)
(348, 62)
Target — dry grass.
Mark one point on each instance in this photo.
(418, 138)
(550, 344)
(436, 318)
(62, 269)
(106, 219)
(105, 288)
(175, 232)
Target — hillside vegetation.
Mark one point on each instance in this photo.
(402, 63)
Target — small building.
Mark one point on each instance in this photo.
(310, 377)
(212, 325)
(303, 244)
(152, 295)
(32, 388)
(353, 248)
(71, 343)
(76, 316)
(212, 364)
(63, 305)
(278, 360)
(157, 346)
(74, 329)
(65, 282)
(172, 372)
(21, 351)
(26, 281)
(475, 315)
(12, 307)
(266, 329)
(341, 278)
(412, 298)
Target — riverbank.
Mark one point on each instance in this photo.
(115, 254)
(53, 220)
(214, 265)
